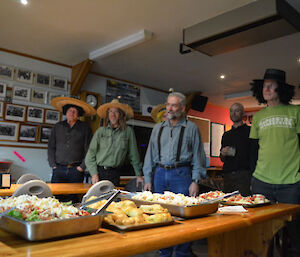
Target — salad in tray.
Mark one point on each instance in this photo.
(32, 208)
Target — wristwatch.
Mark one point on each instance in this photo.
(196, 181)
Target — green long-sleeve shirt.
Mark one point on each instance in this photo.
(109, 147)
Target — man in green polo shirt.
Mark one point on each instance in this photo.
(112, 143)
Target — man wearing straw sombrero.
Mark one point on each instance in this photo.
(69, 141)
(112, 143)
(277, 130)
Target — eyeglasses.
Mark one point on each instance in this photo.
(114, 112)
(270, 86)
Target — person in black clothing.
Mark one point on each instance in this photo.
(235, 153)
(69, 141)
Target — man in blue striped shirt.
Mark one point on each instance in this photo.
(176, 155)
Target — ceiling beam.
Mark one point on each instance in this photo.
(79, 73)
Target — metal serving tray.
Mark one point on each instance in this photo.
(41, 230)
(138, 226)
(183, 211)
(246, 205)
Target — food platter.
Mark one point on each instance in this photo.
(41, 230)
(183, 211)
(246, 205)
(136, 227)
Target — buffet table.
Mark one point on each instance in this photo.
(234, 235)
(56, 188)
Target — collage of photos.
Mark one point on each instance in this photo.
(17, 123)
(28, 78)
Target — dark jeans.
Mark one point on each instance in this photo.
(237, 180)
(62, 174)
(112, 174)
(283, 193)
(177, 181)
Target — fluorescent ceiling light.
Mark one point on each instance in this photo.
(121, 44)
(238, 94)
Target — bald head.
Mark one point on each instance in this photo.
(236, 112)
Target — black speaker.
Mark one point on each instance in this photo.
(198, 103)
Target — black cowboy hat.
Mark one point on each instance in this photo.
(273, 74)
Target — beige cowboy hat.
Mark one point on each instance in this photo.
(101, 111)
(158, 112)
(59, 102)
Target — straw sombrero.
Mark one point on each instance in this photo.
(101, 111)
(59, 102)
(158, 112)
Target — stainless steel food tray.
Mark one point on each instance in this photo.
(41, 230)
(138, 226)
(246, 205)
(183, 211)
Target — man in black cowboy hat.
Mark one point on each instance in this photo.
(277, 129)
(69, 141)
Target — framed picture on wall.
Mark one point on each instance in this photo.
(15, 112)
(21, 93)
(6, 72)
(42, 80)
(1, 109)
(52, 95)
(217, 131)
(28, 133)
(35, 114)
(45, 134)
(59, 83)
(24, 75)
(52, 116)
(9, 131)
(38, 96)
(2, 89)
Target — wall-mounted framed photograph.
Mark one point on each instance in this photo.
(52, 95)
(9, 131)
(35, 114)
(43, 80)
(217, 131)
(24, 75)
(6, 72)
(21, 93)
(38, 96)
(15, 112)
(28, 133)
(1, 109)
(45, 134)
(2, 89)
(59, 83)
(52, 116)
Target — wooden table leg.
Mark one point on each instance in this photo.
(252, 241)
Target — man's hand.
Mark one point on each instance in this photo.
(54, 167)
(148, 187)
(79, 169)
(224, 150)
(95, 179)
(139, 179)
(194, 189)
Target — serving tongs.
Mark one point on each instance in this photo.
(109, 200)
(220, 197)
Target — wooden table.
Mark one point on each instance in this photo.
(56, 188)
(228, 236)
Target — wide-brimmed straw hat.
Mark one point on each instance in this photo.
(59, 102)
(273, 74)
(158, 112)
(101, 111)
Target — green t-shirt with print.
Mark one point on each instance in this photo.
(277, 130)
